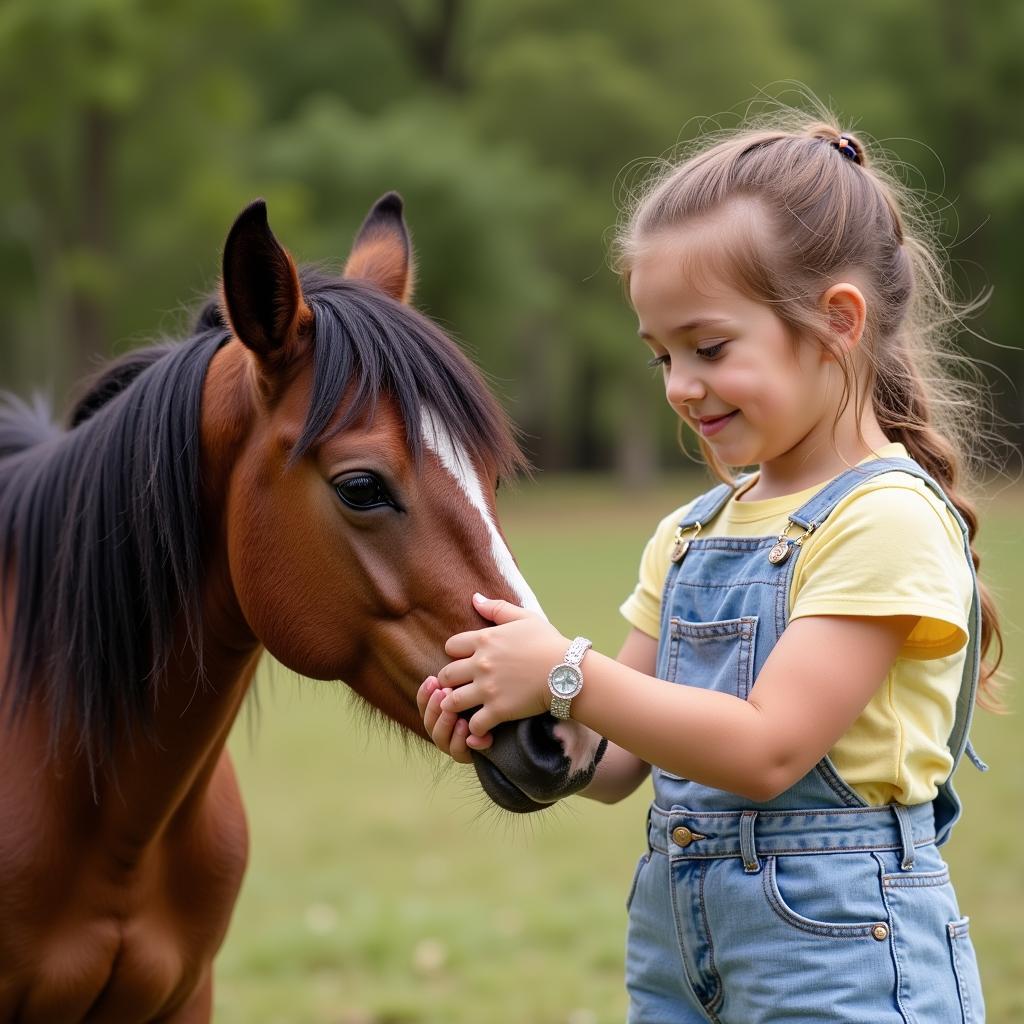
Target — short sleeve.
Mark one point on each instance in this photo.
(642, 609)
(891, 549)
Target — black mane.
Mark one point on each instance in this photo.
(100, 523)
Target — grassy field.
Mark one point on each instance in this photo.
(383, 890)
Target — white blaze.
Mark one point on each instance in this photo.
(457, 462)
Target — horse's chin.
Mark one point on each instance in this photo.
(502, 790)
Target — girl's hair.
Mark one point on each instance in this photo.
(808, 208)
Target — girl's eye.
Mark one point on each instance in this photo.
(362, 491)
(658, 361)
(710, 351)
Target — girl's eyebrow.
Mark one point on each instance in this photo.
(692, 325)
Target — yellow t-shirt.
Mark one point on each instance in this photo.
(890, 547)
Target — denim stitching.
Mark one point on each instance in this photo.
(741, 582)
(920, 879)
(673, 659)
(674, 897)
(835, 783)
(805, 924)
(797, 850)
(879, 812)
(908, 1018)
(744, 664)
(710, 630)
(716, 999)
(957, 930)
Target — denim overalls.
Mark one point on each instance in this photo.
(812, 906)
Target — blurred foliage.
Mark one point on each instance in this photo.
(136, 129)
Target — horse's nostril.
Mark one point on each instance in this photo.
(538, 741)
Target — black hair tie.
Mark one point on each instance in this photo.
(844, 147)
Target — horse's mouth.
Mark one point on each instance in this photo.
(505, 793)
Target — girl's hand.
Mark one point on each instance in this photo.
(449, 732)
(503, 669)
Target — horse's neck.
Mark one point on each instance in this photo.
(147, 781)
(159, 778)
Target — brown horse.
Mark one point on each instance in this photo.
(311, 472)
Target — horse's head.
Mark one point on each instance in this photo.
(359, 503)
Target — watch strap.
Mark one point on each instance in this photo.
(560, 706)
(579, 647)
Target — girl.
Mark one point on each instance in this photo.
(806, 639)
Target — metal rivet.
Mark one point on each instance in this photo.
(880, 932)
(682, 836)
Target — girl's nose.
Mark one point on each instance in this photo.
(682, 387)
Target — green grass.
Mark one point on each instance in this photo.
(383, 890)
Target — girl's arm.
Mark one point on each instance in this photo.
(620, 772)
(818, 678)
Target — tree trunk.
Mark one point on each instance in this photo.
(88, 321)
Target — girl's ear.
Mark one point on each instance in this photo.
(262, 298)
(846, 309)
(382, 251)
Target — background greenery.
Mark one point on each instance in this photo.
(135, 130)
(382, 890)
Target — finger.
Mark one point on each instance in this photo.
(433, 710)
(462, 699)
(457, 673)
(498, 611)
(458, 749)
(442, 731)
(477, 742)
(428, 687)
(462, 645)
(483, 721)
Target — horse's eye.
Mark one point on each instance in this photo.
(363, 491)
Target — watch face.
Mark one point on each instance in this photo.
(565, 680)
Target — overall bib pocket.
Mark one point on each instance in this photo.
(712, 655)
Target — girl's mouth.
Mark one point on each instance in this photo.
(714, 424)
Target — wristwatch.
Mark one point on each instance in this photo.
(565, 680)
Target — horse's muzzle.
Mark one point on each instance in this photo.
(527, 768)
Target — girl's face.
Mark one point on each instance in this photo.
(733, 372)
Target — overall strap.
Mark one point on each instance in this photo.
(815, 511)
(699, 514)
(707, 506)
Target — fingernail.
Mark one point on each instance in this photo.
(480, 597)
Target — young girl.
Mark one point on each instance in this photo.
(806, 639)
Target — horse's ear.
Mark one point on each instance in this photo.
(262, 297)
(382, 251)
